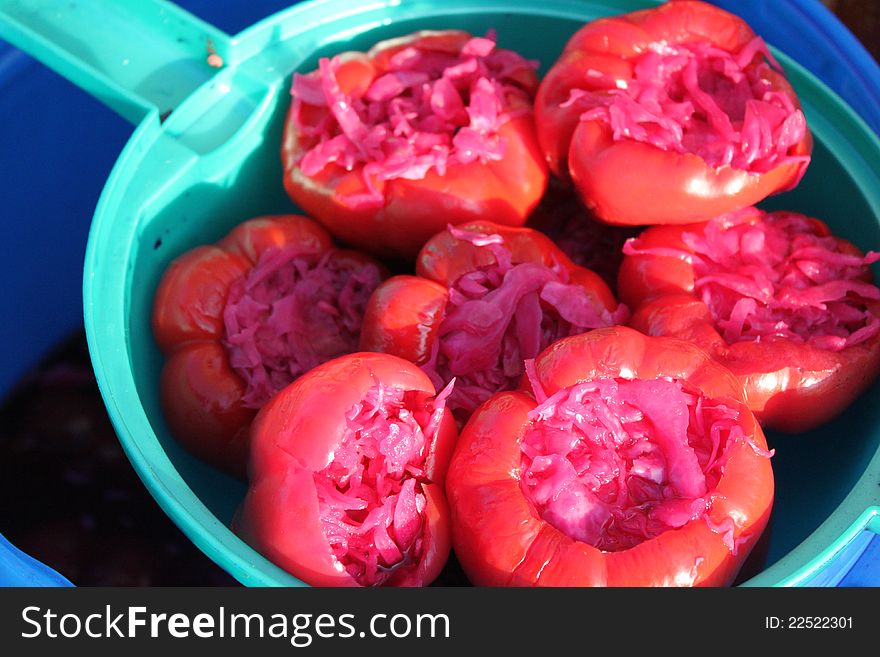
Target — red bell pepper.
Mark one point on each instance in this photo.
(486, 298)
(242, 318)
(775, 297)
(348, 468)
(631, 461)
(671, 115)
(376, 143)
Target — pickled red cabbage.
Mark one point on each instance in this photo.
(370, 497)
(502, 314)
(429, 110)
(615, 462)
(779, 279)
(698, 98)
(292, 312)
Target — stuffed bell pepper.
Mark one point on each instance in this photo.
(387, 147)
(674, 114)
(240, 319)
(625, 461)
(777, 298)
(486, 299)
(347, 475)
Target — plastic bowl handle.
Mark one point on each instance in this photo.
(138, 58)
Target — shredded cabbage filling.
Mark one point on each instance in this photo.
(697, 98)
(777, 279)
(291, 312)
(429, 110)
(500, 315)
(615, 462)
(370, 497)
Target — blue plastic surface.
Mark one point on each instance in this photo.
(50, 184)
(847, 563)
(866, 570)
(18, 569)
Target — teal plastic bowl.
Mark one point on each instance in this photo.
(205, 156)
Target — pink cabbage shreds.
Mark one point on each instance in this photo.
(429, 110)
(615, 462)
(776, 279)
(500, 315)
(697, 98)
(370, 497)
(292, 312)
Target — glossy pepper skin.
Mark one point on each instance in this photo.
(291, 442)
(201, 395)
(790, 386)
(633, 183)
(413, 210)
(501, 541)
(404, 314)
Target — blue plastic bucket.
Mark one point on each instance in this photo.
(50, 221)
